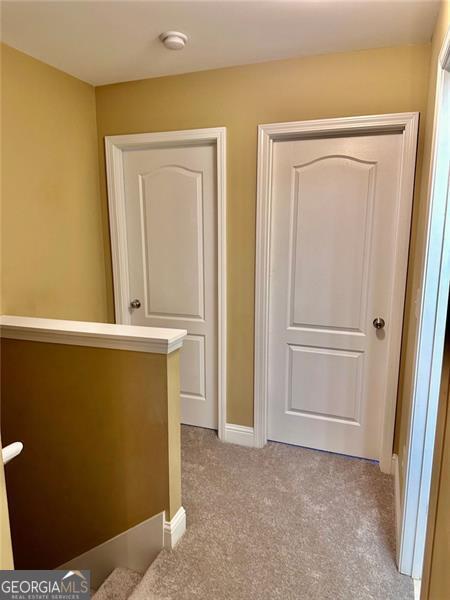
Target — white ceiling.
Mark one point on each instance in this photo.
(109, 41)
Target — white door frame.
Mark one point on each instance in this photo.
(115, 146)
(407, 125)
(430, 337)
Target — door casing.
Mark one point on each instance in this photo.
(114, 148)
(402, 123)
(429, 343)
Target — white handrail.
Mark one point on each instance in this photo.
(11, 451)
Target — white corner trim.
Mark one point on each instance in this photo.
(96, 335)
(114, 148)
(397, 503)
(417, 587)
(136, 548)
(429, 342)
(174, 529)
(238, 434)
(404, 123)
(221, 173)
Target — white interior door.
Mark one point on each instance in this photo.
(171, 229)
(335, 206)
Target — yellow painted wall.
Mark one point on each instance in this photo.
(101, 439)
(334, 85)
(52, 242)
(417, 250)
(6, 558)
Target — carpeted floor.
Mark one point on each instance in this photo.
(279, 523)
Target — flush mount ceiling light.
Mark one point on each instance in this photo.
(173, 40)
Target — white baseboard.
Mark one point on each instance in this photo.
(238, 434)
(397, 503)
(174, 529)
(417, 586)
(134, 549)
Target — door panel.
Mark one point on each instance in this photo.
(174, 280)
(333, 235)
(336, 396)
(192, 366)
(337, 267)
(171, 213)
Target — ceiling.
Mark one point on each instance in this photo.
(107, 41)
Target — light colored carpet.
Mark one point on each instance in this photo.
(118, 585)
(278, 523)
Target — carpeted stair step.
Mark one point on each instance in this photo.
(147, 588)
(118, 585)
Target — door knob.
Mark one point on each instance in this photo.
(379, 323)
(135, 303)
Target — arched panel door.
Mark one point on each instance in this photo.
(333, 239)
(171, 225)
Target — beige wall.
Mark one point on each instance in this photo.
(52, 244)
(6, 558)
(417, 250)
(101, 441)
(367, 82)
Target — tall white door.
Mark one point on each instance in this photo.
(333, 241)
(171, 222)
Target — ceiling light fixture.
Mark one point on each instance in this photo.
(173, 40)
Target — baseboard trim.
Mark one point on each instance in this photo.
(417, 588)
(239, 434)
(174, 529)
(136, 548)
(397, 503)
